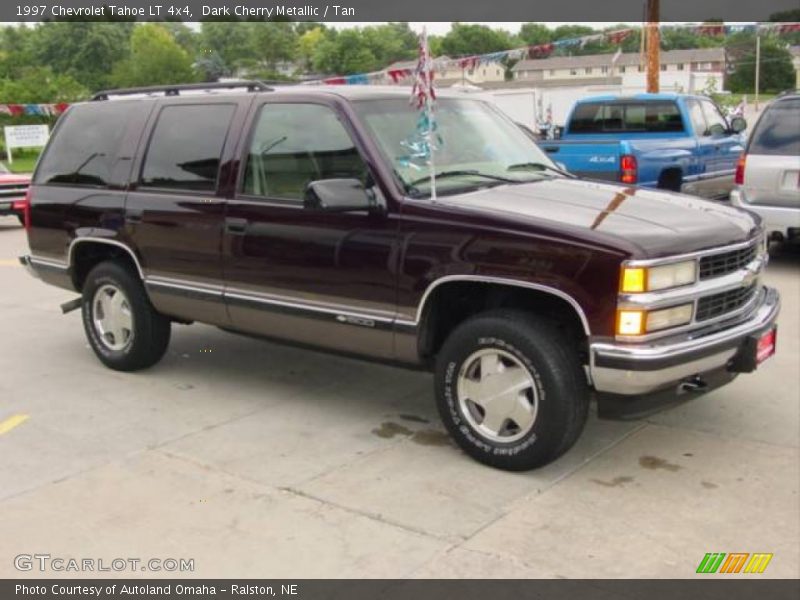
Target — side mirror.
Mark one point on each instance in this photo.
(738, 124)
(716, 130)
(337, 195)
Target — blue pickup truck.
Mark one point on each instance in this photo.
(671, 141)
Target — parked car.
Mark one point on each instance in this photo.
(12, 193)
(669, 141)
(306, 215)
(768, 173)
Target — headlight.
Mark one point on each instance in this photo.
(648, 279)
(639, 322)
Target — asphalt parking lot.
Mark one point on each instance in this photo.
(258, 460)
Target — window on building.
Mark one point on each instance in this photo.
(622, 69)
(186, 146)
(588, 70)
(286, 154)
(663, 67)
(573, 72)
(680, 66)
(604, 69)
(641, 68)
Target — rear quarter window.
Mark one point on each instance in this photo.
(626, 117)
(83, 149)
(185, 147)
(778, 130)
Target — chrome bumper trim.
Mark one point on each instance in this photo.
(631, 369)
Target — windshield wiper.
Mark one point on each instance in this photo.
(539, 166)
(463, 172)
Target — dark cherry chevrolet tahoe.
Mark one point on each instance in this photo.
(305, 215)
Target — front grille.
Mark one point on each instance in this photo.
(13, 190)
(719, 304)
(716, 265)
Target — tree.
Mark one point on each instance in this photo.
(464, 39)
(231, 41)
(87, 51)
(344, 53)
(776, 73)
(307, 45)
(155, 59)
(41, 85)
(534, 34)
(274, 42)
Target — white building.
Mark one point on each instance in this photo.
(689, 71)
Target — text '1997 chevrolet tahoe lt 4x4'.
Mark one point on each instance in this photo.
(300, 214)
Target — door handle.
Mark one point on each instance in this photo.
(551, 149)
(133, 215)
(236, 226)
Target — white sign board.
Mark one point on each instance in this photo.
(25, 136)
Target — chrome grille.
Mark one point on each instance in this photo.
(716, 265)
(13, 190)
(720, 304)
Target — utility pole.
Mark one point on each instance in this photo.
(653, 47)
(758, 66)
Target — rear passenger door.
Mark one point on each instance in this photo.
(175, 207)
(310, 276)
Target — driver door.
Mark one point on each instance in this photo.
(303, 274)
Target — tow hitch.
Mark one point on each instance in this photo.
(71, 305)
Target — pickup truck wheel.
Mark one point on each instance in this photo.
(510, 391)
(671, 180)
(123, 328)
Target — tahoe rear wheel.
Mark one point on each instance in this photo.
(511, 390)
(124, 330)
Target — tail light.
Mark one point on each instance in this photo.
(738, 179)
(25, 207)
(628, 169)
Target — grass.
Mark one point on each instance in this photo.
(24, 161)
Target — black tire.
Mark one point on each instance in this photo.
(557, 376)
(149, 331)
(671, 180)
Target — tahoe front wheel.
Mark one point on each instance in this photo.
(511, 390)
(124, 330)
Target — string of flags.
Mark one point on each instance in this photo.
(47, 110)
(397, 75)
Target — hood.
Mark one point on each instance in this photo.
(660, 223)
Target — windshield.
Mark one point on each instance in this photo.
(478, 146)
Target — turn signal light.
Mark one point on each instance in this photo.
(628, 169)
(634, 279)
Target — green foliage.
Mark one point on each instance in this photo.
(41, 84)
(776, 74)
(465, 39)
(85, 51)
(364, 49)
(155, 58)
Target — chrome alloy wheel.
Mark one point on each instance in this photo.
(112, 317)
(497, 395)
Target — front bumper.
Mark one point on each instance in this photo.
(697, 361)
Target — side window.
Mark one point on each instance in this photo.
(84, 148)
(185, 147)
(294, 144)
(697, 117)
(714, 118)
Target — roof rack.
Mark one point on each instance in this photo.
(175, 90)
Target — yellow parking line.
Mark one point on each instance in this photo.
(9, 262)
(11, 422)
